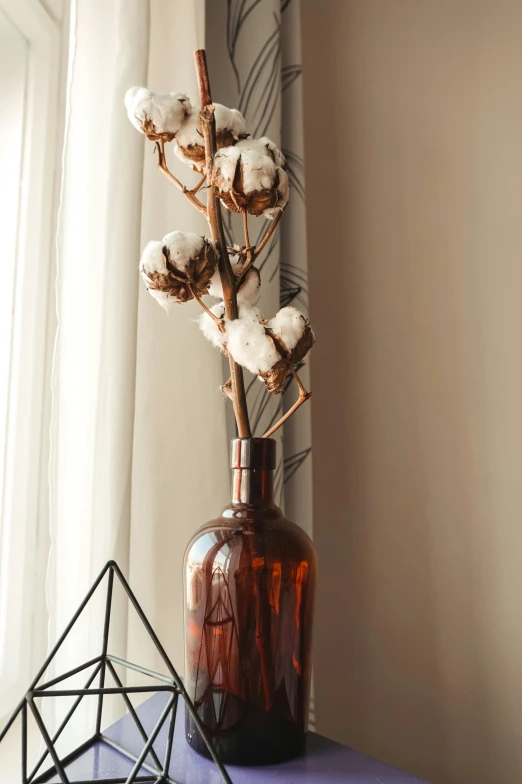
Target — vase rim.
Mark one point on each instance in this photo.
(253, 453)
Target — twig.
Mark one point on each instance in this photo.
(199, 185)
(268, 233)
(245, 229)
(213, 212)
(190, 194)
(217, 321)
(303, 397)
(227, 389)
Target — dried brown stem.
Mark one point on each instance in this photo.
(268, 233)
(213, 211)
(227, 389)
(217, 321)
(245, 229)
(199, 185)
(190, 194)
(303, 397)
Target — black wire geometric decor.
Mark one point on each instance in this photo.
(147, 766)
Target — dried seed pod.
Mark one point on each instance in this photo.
(267, 349)
(159, 117)
(190, 147)
(248, 342)
(178, 267)
(250, 176)
(294, 338)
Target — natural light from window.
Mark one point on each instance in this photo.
(13, 66)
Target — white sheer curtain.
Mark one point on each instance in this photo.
(120, 472)
(96, 290)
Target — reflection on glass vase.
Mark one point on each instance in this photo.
(249, 591)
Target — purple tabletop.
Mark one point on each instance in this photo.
(325, 761)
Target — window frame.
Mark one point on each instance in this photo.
(24, 510)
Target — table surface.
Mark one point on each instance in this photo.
(325, 761)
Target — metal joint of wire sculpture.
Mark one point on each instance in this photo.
(142, 769)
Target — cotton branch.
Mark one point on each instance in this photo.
(303, 397)
(190, 194)
(213, 211)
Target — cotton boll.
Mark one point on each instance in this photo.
(250, 176)
(152, 258)
(249, 312)
(250, 288)
(181, 266)
(159, 117)
(209, 327)
(250, 346)
(289, 325)
(190, 147)
(283, 194)
(229, 120)
(183, 246)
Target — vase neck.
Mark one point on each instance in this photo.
(253, 464)
(252, 486)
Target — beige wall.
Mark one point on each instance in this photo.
(414, 181)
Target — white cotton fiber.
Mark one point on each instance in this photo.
(226, 120)
(261, 166)
(250, 288)
(152, 259)
(183, 247)
(167, 113)
(164, 299)
(283, 193)
(289, 325)
(248, 342)
(209, 327)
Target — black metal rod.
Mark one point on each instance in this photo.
(173, 686)
(145, 622)
(64, 723)
(133, 758)
(105, 690)
(70, 673)
(152, 737)
(170, 739)
(130, 708)
(70, 625)
(138, 668)
(12, 719)
(118, 780)
(74, 754)
(45, 665)
(106, 629)
(24, 744)
(48, 742)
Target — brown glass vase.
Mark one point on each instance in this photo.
(249, 592)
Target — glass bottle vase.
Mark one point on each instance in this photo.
(249, 591)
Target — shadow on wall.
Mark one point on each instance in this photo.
(414, 243)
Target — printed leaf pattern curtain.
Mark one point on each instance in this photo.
(254, 53)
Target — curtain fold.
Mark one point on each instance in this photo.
(93, 377)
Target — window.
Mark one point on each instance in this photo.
(30, 86)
